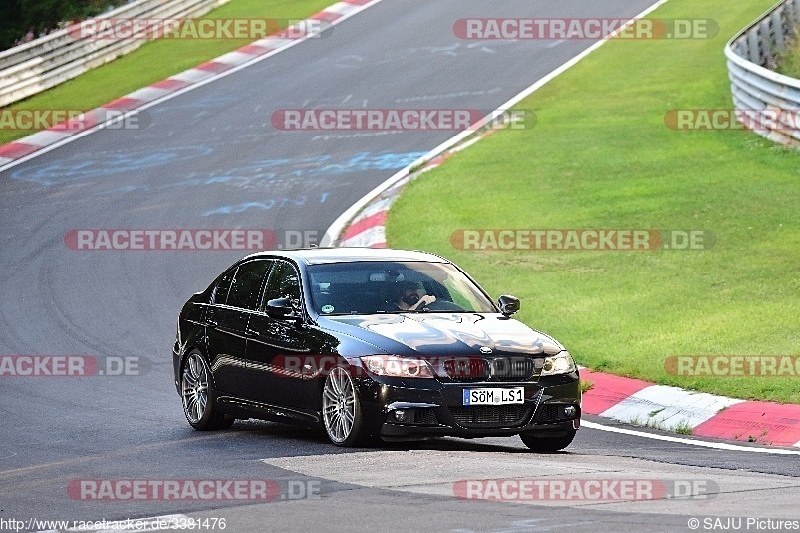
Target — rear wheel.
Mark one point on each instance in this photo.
(199, 404)
(548, 444)
(341, 410)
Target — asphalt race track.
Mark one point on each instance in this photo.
(210, 158)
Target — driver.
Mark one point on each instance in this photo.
(408, 299)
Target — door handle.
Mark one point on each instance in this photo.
(252, 332)
(212, 323)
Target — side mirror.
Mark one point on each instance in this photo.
(280, 308)
(508, 305)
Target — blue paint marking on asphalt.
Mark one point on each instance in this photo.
(218, 101)
(303, 168)
(266, 205)
(270, 169)
(260, 173)
(81, 167)
(78, 168)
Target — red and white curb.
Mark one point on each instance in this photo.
(708, 415)
(26, 147)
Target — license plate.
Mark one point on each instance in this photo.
(494, 396)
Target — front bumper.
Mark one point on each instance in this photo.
(432, 408)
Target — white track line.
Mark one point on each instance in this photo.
(691, 442)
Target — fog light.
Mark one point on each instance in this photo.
(401, 415)
(570, 411)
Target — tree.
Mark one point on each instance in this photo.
(21, 16)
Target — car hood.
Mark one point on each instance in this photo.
(437, 334)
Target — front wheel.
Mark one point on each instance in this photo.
(341, 410)
(199, 404)
(548, 444)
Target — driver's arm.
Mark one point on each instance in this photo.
(424, 300)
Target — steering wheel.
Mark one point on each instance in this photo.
(443, 305)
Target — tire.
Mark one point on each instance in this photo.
(197, 396)
(548, 444)
(341, 410)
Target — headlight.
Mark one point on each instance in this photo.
(397, 367)
(560, 363)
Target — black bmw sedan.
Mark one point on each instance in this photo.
(370, 344)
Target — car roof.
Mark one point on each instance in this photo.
(316, 256)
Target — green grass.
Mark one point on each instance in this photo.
(682, 427)
(600, 156)
(157, 60)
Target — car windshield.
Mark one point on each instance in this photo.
(393, 287)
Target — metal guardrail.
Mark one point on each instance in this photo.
(762, 97)
(35, 66)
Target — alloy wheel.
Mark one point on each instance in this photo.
(194, 384)
(339, 405)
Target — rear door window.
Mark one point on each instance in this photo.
(245, 288)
